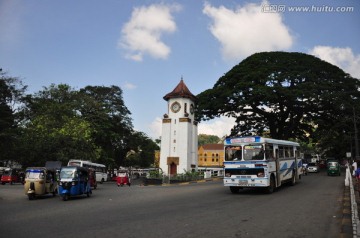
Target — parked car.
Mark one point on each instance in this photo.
(313, 168)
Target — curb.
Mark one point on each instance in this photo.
(184, 183)
(353, 204)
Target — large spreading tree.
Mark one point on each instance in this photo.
(11, 91)
(60, 123)
(284, 95)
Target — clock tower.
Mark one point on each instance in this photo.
(179, 138)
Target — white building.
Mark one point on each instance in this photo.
(179, 137)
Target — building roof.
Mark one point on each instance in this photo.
(213, 147)
(180, 91)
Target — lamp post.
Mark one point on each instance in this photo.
(357, 157)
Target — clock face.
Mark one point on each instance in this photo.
(175, 107)
(192, 108)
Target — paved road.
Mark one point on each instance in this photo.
(311, 208)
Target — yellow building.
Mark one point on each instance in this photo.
(211, 157)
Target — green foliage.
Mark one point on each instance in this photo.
(288, 95)
(53, 129)
(60, 123)
(187, 176)
(104, 109)
(156, 174)
(11, 90)
(143, 154)
(208, 139)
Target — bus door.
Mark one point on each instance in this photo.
(298, 164)
(277, 162)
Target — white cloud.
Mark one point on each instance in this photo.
(341, 57)
(130, 86)
(141, 35)
(155, 128)
(247, 30)
(219, 127)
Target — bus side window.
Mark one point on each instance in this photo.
(269, 152)
(281, 152)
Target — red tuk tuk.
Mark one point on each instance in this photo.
(12, 176)
(123, 178)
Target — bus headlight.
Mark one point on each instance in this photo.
(261, 174)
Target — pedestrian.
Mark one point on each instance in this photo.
(357, 172)
(354, 167)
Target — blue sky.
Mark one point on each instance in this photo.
(146, 46)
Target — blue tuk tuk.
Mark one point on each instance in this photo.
(74, 181)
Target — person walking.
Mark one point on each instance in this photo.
(354, 167)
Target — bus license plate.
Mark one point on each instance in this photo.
(243, 182)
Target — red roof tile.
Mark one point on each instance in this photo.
(180, 91)
(213, 146)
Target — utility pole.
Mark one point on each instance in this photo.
(357, 157)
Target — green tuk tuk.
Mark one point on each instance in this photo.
(333, 168)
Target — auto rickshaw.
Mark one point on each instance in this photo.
(123, 178)
(74, 181)
(39, 181)
(11, 176)
(333, 168)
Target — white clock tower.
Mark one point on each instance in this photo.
(179, 137)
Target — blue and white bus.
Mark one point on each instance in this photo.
(258, 162)
(100, 169)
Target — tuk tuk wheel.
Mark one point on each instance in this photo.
(31, 196)
(129, 184)
(88, 194)
(65, 197)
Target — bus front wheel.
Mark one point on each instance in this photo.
(234, 189)
(271, 187)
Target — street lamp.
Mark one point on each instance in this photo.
(357, 157)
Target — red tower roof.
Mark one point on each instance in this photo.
(180, 91)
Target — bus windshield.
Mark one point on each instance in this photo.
(253, 152)
(246, 152)
(233, 153)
